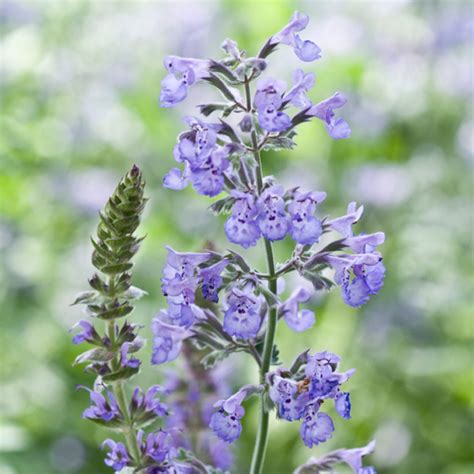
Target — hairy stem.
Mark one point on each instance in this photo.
(258, 457)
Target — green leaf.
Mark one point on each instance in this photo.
(222, 206)
(229, 131)
(219, 84)
(271, 298)
(98, 354)
(275, 360)
(239, 261)
(225, 71)
(116, 312)
(208, 109)
(87, 297)
(211, 359)
(122, 374)
(115, 423)
(267, 49)
(116, 268)
(279, 143)
(134, 293)
(317, 280)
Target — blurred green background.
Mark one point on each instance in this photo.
(79, 87)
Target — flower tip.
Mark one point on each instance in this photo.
(135, 171)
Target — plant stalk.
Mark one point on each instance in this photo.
(258, 456)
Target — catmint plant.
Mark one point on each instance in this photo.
(217, 158)
(218, 303)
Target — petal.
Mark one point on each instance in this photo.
(175, 180)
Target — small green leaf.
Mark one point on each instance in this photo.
(279, 143)
(134, 293)
(116, 312)
(222, 206)
(87, 297)
(318, 281)
(117, 268)
(114, 423)
(271, 298)
(208, 109)
(239, 261)
(219, 84)
(98, 354)
(211, 359)
(122, 374)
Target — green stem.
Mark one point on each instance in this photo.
(128, 430)
(258, 457)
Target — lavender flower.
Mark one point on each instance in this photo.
(242, 318)
(324, 381)
(156, 447)
(183, 73)
(268, 100)
(316, 427)
(167, 339)
(305, 50)
(179, 284)
(126, 361)
(365, 243)
(285, 394)
(336, 127)
(242, 227)
(143, 405)
(101, 408)
(297, 320)
(231, 48)
(205, 162)
(351, 457)
(344, 224)
(360, 276)
(220, 453)
(117, 458)
(343, 405)
(88, 334)
(301, 399)
(208, 178)
(176, 179)
(212, 280)
(273, 220)
(305, 228)
(225, 422)
(302, 83)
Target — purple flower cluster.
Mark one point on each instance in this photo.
(156, 450)
(205, 161)
(217, 303)
(183, 274)
(271, 100)
(301, 397)
(273, 215)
